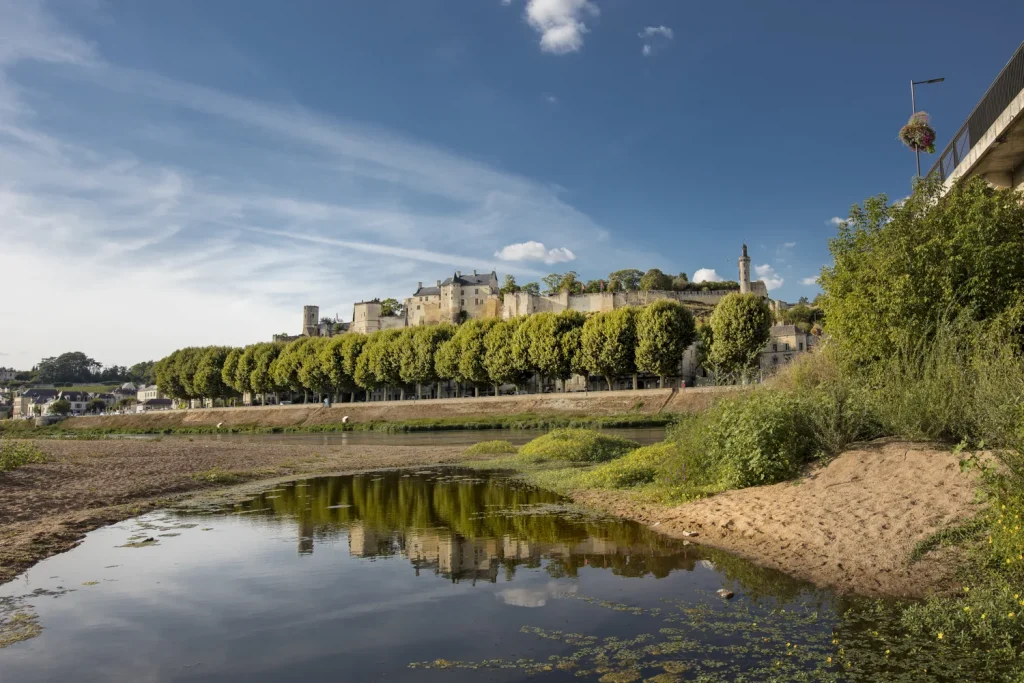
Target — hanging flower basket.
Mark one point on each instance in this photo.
(918, 134)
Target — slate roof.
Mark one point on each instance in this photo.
(157, 402)
(39, 393)
(428, 291)
(477, 279)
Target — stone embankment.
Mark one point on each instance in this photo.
(603, 403)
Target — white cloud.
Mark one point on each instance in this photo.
(707, 275)
(651, 31)
(808, 281)
(789, 245)
(225, 236)
(560, 23)
(652, 35)
(506, 2)
(551, 99)
(836, 221)
(534, 251)
(767, 274)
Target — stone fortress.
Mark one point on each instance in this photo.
(465, 297)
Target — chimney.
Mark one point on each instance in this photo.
(458, 273)
(474, 271)
(419, 286)
(438, 283)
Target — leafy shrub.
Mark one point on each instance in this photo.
(642, 466)
(760, 438)
(576, 445)
(14, 454)
(490, 448)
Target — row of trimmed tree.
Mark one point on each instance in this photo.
(482, 354)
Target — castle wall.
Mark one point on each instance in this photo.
(522, 303)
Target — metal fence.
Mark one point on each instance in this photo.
(1008, 84)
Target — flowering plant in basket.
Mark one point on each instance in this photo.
(918, 134)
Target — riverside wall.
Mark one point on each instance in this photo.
(578, 404)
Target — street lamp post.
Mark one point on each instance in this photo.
(913, 110)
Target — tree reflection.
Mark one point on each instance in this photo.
(467, 525)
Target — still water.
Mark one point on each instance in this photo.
(434, 575)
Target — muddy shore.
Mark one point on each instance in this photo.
(48, 508)
(850, 525)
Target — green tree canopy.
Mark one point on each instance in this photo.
(553, 282)
(227, 371)
(740, 327)
(628, 279)
(510, 286)
(654, 279)
(900, 268)
(664, 330)
(680, 282)
(499, 360)
(208, 381)
(60, 407)
(547, 353)
(532, 288)
(608, 344)
(262, 378)
(392, 307)
(418, 357)
(67, 367)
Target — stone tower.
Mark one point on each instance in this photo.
(311, 321)
(744, 272)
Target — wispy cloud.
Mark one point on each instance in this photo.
(766, 273)
(551, 99)
(225, 236)
(808, 281)
(534, 251)
(836, 221)
(707, 275)
(654, 36)
(560, 23)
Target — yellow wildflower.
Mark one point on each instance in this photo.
(940, 634)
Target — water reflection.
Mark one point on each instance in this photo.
(463, 525)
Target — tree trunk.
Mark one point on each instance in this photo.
(634, 381)
(439, 390)
(661, 381)
(495, 389)
(352, 397)
(401, 394)
(476, 391)
(609, 381)
(419, 390)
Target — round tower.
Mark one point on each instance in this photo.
(744, 272)
(311, 321)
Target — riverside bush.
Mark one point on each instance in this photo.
(576, 445)
(491, 448)
(14, 454)
(642, 466)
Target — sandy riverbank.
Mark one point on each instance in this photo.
(851, 525)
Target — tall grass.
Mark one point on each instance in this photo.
(14, 454)
(575, 446)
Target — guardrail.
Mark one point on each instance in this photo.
(1007, 85)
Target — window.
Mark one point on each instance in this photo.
(417, 307)
(462, 302)
(775, 347)
(801, 346)
(775, 360)
(787, 346)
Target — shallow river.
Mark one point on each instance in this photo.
(433, 575)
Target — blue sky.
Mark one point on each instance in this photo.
(194, 172)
